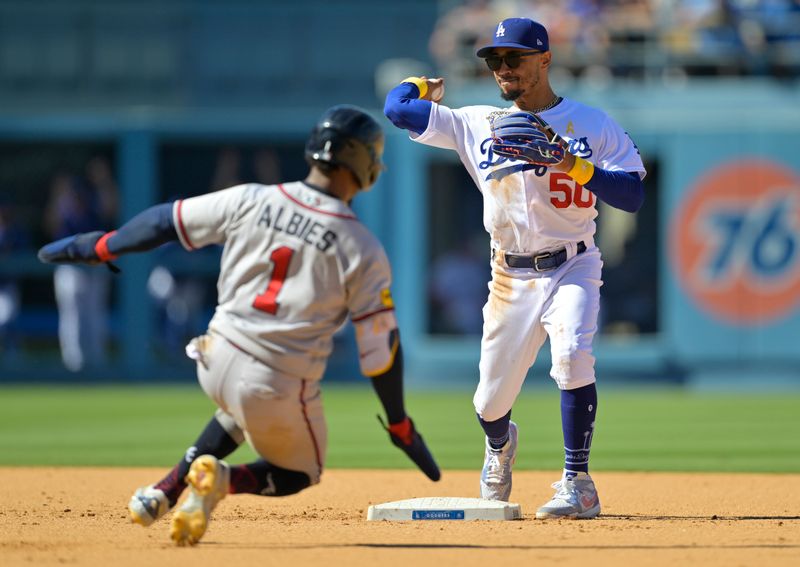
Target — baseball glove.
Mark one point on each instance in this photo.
(526, 136)
(414, 446)
(75, 249)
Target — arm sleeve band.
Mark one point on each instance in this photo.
(406, 110)
(422, 85)
(101, 247)
(620, 189)
(389, 388)
(582, 171)
(147, 230)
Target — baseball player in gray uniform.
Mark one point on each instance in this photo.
(296, 262)
(540, 185)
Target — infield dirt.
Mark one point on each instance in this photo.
(78, 516)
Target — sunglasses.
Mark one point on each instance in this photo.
(512, 60)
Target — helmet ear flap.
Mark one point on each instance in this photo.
(375, 172)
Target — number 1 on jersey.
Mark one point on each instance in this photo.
(268, 301)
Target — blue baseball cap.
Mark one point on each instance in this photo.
(521, 33)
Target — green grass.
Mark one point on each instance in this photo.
(653, 430)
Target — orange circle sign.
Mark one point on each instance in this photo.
(735, 242)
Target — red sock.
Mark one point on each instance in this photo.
(172, 484)
(243, 481)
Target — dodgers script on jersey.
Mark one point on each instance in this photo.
(295, 262)
(528, 208)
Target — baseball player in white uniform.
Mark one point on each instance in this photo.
(541, 164)
(296, 262)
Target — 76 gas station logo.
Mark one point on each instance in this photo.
(757, 240)
(735, 242)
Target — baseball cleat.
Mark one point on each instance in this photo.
(147, 505)
(575, 497)
(209, 480)
(496, 473)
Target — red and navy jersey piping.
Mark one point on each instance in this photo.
(309, 207)
(182, 228)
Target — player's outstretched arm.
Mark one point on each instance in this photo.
(408, 105)
(402, 432)
(147, 230)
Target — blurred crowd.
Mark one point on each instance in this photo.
(634, 38)
(83, 197)
(82, 203)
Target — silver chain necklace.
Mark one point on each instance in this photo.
(555, 101)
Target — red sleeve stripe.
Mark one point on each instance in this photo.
(101, 247)
(368, 315)
(181, 228)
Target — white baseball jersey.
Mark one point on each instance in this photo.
(295, 262)
(538, 210)
(530, 209)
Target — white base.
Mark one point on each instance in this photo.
(445, 508)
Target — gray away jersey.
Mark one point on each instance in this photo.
(295, 262)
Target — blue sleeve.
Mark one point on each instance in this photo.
(147, 230)
(406, 110)
(620, 189)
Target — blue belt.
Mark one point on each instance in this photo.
(540, 262)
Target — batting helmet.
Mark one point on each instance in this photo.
(346, 136)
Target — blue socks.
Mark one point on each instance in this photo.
(578, 409)
(497, 430)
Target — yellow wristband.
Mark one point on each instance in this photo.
(422, 85)
(582, 171)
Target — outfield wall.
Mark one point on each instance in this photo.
(724, 198)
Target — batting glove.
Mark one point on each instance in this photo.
(405, 436)
(75, 249)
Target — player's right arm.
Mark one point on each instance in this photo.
(194, 222)
(147, 230)
(409, 106)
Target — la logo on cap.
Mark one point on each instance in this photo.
(501, 31)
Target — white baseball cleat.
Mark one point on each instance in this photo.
(209, 480)
(147, 505)
(575, 497)
(496, 473)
